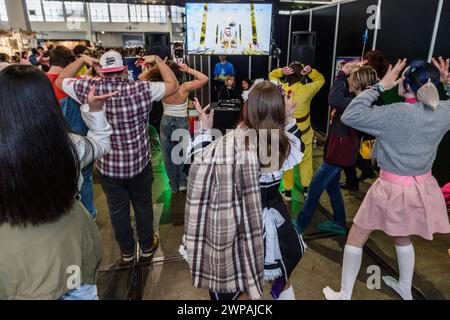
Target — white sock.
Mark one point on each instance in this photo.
(287, 294)
(406, 259)
(350, 270)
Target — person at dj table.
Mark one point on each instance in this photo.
(229, 91)
(304, 82)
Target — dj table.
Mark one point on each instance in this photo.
(226, 114)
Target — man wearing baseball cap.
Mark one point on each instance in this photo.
(125, 173)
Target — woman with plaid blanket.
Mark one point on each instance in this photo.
(238, 231)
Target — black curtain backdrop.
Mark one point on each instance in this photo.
(406, 28)
(441, 168)
(280, 35)
(352, 25)
(323, 23)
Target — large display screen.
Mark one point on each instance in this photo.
(228, 29)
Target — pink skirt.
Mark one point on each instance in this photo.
(403, 206)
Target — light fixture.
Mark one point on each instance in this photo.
(102, 32)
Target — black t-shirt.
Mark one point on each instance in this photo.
(227, 94)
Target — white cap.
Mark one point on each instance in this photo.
(111, 61)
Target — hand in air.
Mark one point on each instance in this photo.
(206, 119)
(150, 59)
(287, 71)
(443, 65)
(183, 67)
(306, 70)
(96, 103)
(352, 66)
(90, 61)
(392, 77)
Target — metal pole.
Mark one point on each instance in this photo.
(377, 25)
(435, 30)
(289, 42)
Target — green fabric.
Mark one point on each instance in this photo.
(38, 262)
(391, 96)
(298, 198)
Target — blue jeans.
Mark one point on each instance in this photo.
(175, 172)
(326, 178)
(85, 292)
(72, 115)
(87, 191)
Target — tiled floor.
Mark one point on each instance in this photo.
(168, 277)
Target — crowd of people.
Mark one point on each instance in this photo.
(65, 111)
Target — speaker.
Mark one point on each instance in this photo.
(303, 47)
(158, 43)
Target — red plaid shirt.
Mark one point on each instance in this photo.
(128, 114)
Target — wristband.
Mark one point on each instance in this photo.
(378, 87)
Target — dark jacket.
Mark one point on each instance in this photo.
(228, 94)
(342, 143)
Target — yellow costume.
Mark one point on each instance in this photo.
(302, 95)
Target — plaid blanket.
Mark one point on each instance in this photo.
(223, 218)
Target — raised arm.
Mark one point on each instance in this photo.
(277, 74)
(146, 74)
(362, 115)
(205, 137)
(443, 65)
(318, 80)
(199, 81)
(98, 142)
(340, 97)
(72, 69)
(170, 81)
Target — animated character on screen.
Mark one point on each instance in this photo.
(227, 39)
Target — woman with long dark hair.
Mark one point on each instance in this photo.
(49, 245)
(406, 200)
(238, 231)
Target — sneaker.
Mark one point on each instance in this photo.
(287, 195)
(297, 227)
(331, 226)
(147, 254)
(126, 258)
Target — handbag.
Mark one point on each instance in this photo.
(366, 149)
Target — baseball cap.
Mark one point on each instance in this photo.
(111, 61)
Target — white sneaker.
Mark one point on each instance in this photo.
(330, 294)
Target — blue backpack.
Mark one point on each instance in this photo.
(72, 114)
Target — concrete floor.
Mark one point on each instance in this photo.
(168, 276)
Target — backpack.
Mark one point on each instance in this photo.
(70, 109)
